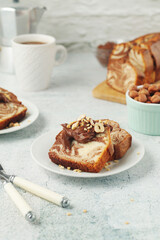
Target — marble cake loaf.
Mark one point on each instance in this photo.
(87, 145)
(135, 62)
(11, 110)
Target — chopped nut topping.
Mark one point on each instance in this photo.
(91, 121)
(116, 161)
(75, 125)
(81, 117)
(99, 127)
(126, 222)
(85, 211)
(132, 200)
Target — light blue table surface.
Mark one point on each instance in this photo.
(132, 196)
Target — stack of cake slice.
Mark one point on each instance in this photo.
(135, 62)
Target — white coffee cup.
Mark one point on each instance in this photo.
(34, 57)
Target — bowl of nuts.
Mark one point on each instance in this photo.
(143, 105)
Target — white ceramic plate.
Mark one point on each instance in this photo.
(41, 146)
(31, 116)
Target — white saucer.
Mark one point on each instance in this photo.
(31, 116)
(41, 146)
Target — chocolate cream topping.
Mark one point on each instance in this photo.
(83, 132)
(80, 134)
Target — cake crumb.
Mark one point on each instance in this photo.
(138, 153)
(85, 211)
(132, 200)
(69, 214)
(62, 167)
(126, 223)
(107, 169)
(14, 124)
(116, 161)
(77, 170)
(69, 168)
(29, 121)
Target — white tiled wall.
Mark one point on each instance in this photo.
(88, 22)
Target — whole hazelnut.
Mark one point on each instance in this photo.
(145, 91)
(142, 97)
(146, 86)
(157, 93)
(133, 87)
(136, 98)
(152, 89)
(155, 99)
(158, 86)
(133, 94)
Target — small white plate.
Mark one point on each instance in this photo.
(41, 146)
(31, 115)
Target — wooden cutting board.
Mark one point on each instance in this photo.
(103, 91)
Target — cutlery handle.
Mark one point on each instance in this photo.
(21, 204)
(41, 192)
